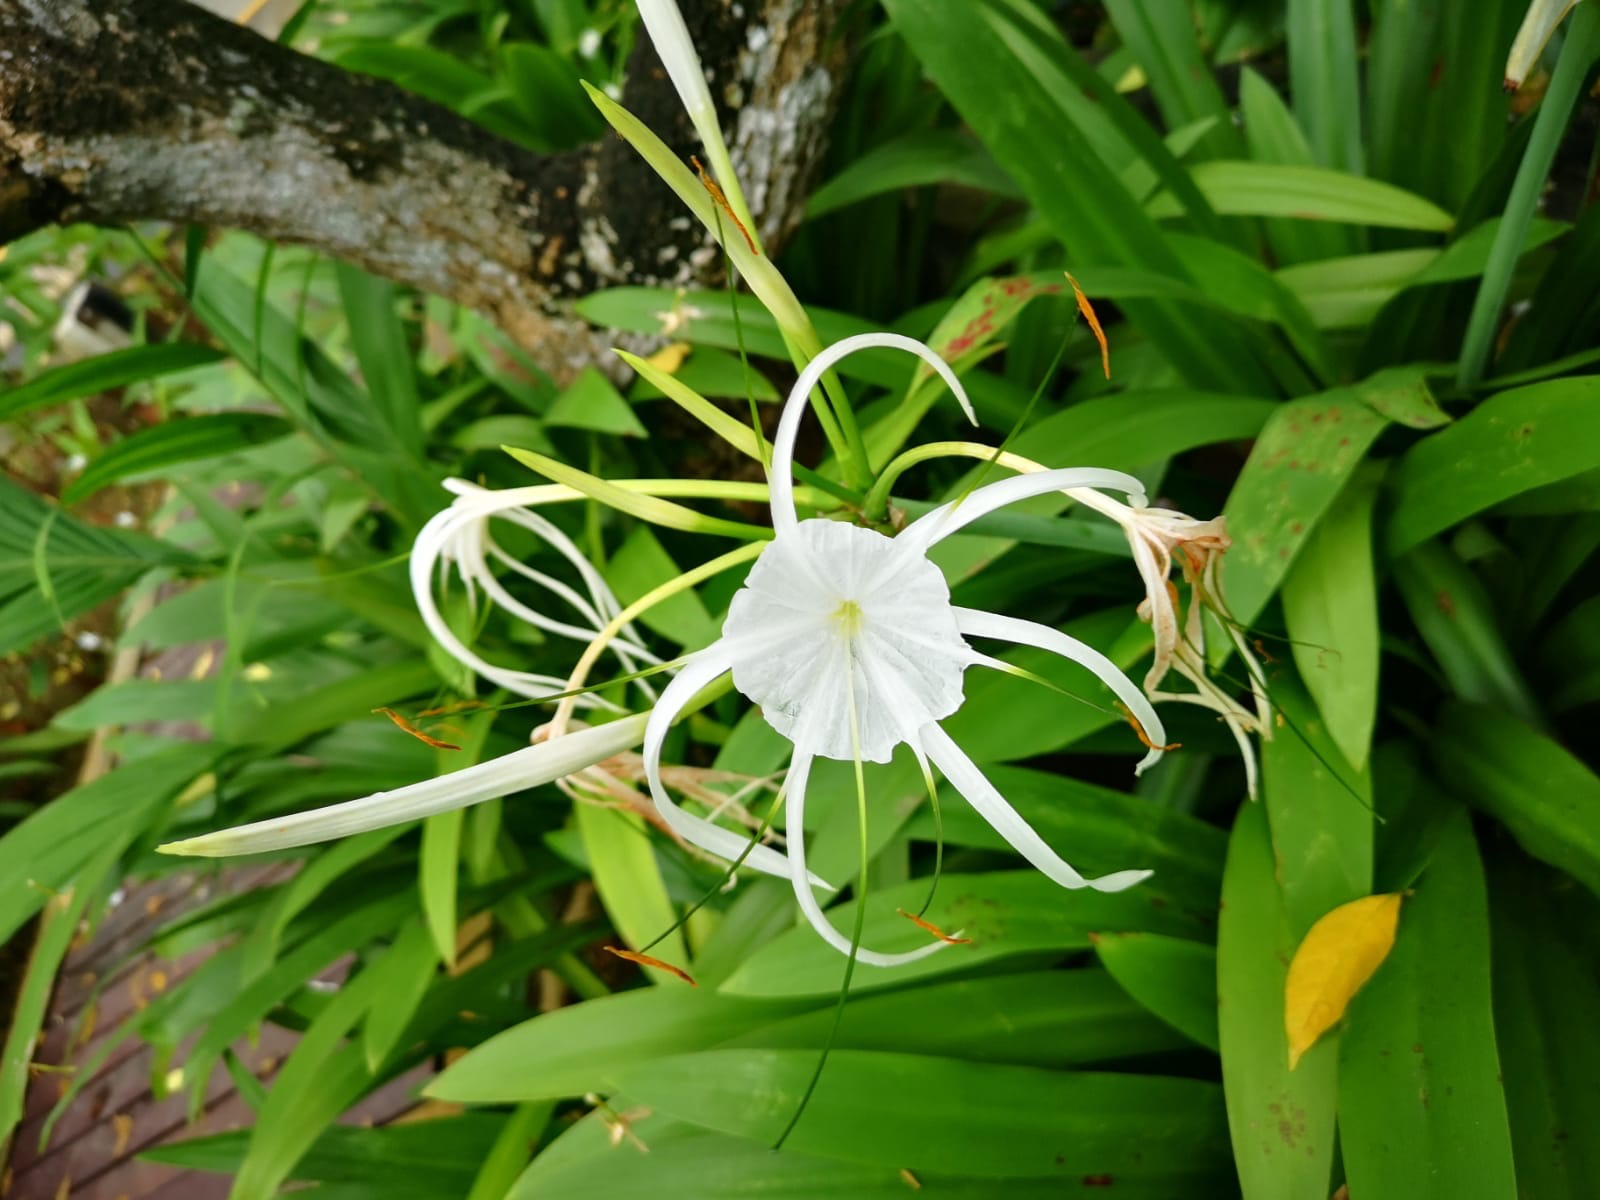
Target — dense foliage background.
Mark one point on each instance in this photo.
(1350, 291)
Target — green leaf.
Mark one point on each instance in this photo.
(1038, 1018)
(181, 441)
(1033, 134)
(966, 333)
(1349, 292)
(383, 352)
(48, 849)
(319, 1080)
(1422, 1115)
(104, 373)
(627, 875)
(246, 1003)
(917, 159)
(1546, 993)
(1547, 798)
(640, 565)
(58, 927)
(1320, 810)
(1097, 828)
(707, 372)
(647, 508)
(505, 1162)
(1282, 1122)
(437, 869)
(1578, 52)
(436, 1157)
(316, 392)
(1298, 466)
(591, 402)
(133, 701)
(1252, 189)
(581, 1048)
(1511, 443)
(1324, 78)
(1330, 599)
(1005, 913)
(53, 566)
(687, 1163)
(1436, 114)
(405, 970)
(548, 93)
(731, 430)
(1171, 58)
(902, 1110)
(1175, 979)
(1126, 432)
(1455, 616)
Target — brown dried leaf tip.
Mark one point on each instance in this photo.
(930, 927)
(1127, 715)
(1087, 310)
(714, 190)
(647, 960)
(405, 723)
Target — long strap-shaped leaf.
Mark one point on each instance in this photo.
(1034, 139)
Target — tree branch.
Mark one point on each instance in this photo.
(121, 110)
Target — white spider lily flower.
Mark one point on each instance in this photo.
(1154, 534)
(1158, 537)
(1200, 545)
(460, 536)
(529, 767)
(848, 641)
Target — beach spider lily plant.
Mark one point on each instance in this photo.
(848, 641)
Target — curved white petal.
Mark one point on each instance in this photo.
(459, 534)
(781, 476)
(939, 524)
(795, 835)
(831, 594)
(525, 768)
(1236, 718)
(699, 671)
(977, 623)
(965, 777)
(670, 36)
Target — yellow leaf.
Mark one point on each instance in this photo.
(670, 357)
(1339, 954)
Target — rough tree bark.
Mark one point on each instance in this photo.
(120, 110)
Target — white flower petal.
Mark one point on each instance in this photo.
(700, 670)
(670, 36)
(795, 836)
(781, 476)
(827, 598)
(459, 534)
(529, 767)
(976, 623)
(935, 526)
(965, 777)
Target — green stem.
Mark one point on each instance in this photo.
(1581, 47)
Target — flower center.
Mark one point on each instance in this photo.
(849, 618)
(833, 612)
